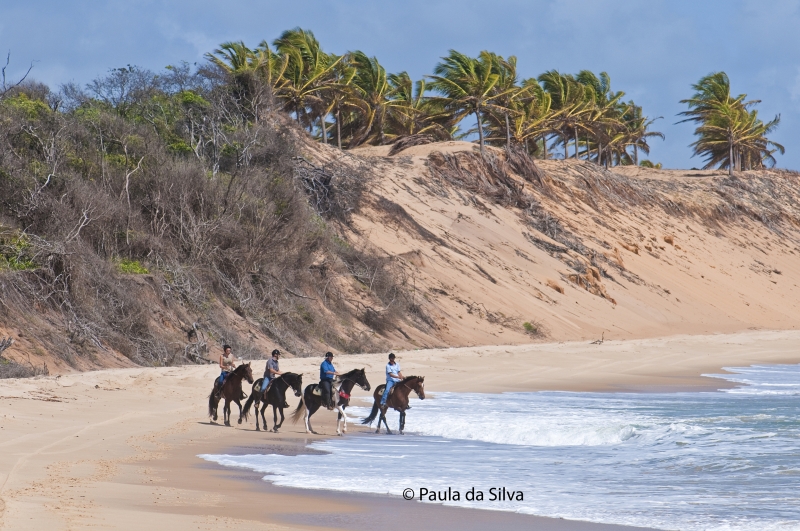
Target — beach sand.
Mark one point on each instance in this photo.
(116, 449)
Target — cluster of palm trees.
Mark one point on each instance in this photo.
(351, 100)
(729, 132)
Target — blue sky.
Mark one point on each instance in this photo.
(653, 49)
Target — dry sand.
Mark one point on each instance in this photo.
(116, 449)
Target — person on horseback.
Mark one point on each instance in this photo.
(393, 376)
(227, 362)
(326, 374)
(272, 370)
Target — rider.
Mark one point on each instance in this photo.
(271, 371)
(393, 376)
(326, 374)
(227, 362)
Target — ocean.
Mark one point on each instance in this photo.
(724, 460)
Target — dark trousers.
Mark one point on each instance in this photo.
(325, 386)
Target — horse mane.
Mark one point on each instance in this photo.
(409, 378)
(350, 372)
(242, 367)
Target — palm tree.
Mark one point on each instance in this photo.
(309, 73)
(637, 130)
(375, 100)
(728, 132)
(467, 86)
(415, 114)
(573, 102)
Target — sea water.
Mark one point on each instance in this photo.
(726, 460)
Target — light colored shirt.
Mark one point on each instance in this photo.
(271, 364)
(227, 362)
(392, 369)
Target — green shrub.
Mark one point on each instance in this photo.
(132, 267)
(529, 328)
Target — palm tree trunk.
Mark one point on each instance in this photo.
(566, 144)
(730, 158)
(635, 155)
(508, 134)
(324, 131)
(599, 153)
(576, 143)
(480, 126)
(338, 127)
(544, 146)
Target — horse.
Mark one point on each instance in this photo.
(231, 391)
(397, 400)
(311, 402)
(275, 396)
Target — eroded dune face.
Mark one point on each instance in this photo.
(500, 249)
(577, 250)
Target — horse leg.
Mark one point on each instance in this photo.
(344, 418)
(226, 412)
(275, 424)
(263, 409)
(339, 421)
(402, 421)
(238, 403)
(388, 431)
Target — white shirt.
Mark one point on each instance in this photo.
(392, 369)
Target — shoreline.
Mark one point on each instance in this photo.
(359, 511)
(117, 448)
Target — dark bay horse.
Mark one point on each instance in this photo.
(398, 400)
(276, 396)
(310, 402)
(231, 391)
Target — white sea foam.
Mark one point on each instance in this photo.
(695, 461)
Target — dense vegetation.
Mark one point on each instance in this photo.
(178, 190)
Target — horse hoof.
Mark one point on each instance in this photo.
(258, 429)
(240, 421)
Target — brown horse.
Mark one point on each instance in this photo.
(231, 391)
(275, 396)
(397, 400)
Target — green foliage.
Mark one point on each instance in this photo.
(529, 328)
(131, 267)
(15, 250)
(648, 164)
(33, 109)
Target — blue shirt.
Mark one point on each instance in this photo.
(324, 368)
(392, 369)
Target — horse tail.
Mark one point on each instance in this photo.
(211, 404)
(299, 411)
(372, 414)
(250, 400)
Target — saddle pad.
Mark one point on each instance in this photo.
(316, 391)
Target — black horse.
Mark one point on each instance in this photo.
(231, 391)
(276, 396)
(311, 402)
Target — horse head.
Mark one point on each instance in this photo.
(295, 381)
(248, 372)
(360, 378)
(419, 387)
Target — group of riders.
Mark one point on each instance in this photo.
(327, 374)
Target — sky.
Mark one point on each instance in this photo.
(652, 49)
